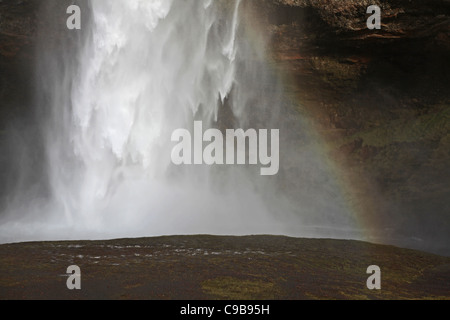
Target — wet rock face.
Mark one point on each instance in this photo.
(23, 34)
(18, 25)
(364, 76)
(401, 18)
(381, 97)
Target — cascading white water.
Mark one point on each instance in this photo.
(146, 68)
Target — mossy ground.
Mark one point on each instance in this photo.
(211, 267)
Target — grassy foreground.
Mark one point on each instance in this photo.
(216, 267)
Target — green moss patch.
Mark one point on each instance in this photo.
(239, 289)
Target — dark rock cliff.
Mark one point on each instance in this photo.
(380, 98)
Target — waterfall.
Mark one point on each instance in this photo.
(142, 69)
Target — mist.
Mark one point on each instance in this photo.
(96, 163)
